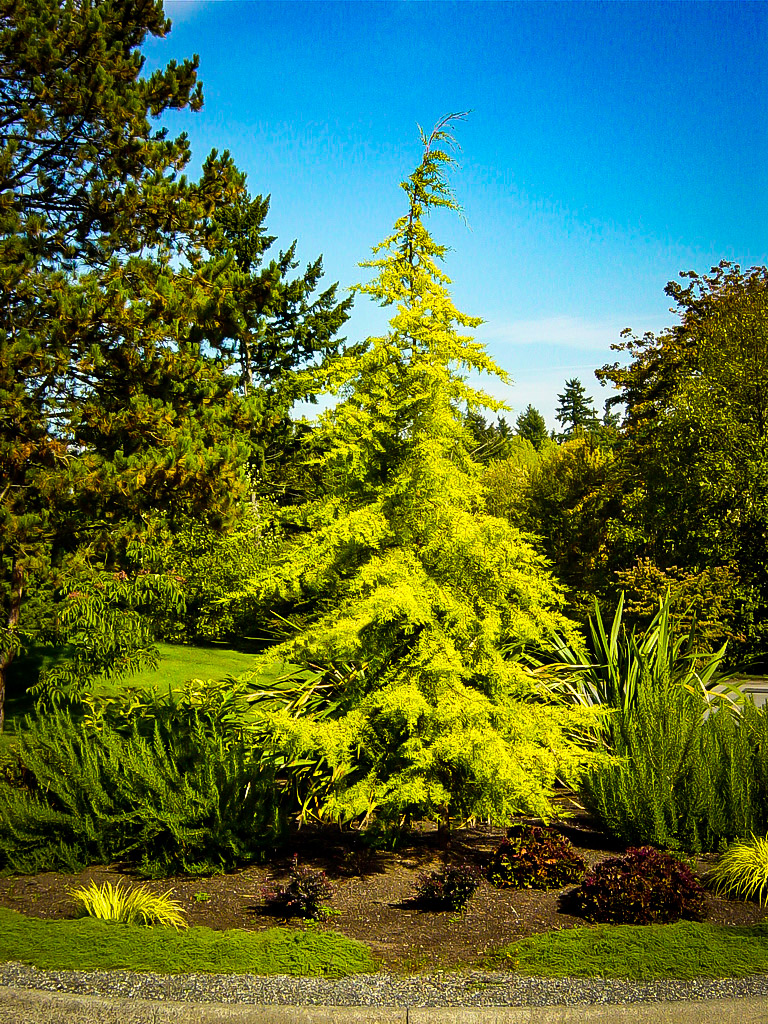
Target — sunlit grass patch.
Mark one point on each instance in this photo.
(742, 870)
(88, 944)
(129, 905)
(684, 950)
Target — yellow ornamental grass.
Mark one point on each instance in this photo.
(743, 870)
(135, 905)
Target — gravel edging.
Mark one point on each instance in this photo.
(469, 988)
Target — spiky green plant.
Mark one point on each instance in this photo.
(611, 672)
(132, 905)
(689, 761)
(742, 870)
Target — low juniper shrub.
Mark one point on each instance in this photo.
(533, 857)
(449, 888)
(644, 886)
(305, 893)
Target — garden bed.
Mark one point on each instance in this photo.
(373, 895)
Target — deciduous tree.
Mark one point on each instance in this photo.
(693, 458)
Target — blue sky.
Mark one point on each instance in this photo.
(610, 146)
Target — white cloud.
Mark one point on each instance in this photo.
(569, 332)
(184, 10)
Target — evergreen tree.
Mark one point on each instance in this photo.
(575, 411)
(127, 295)
(398, 583)
(531, 426)
(611, 419)
(270, 326)
(491, 440)
(83, 180)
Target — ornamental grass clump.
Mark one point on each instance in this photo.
(450, 888)
(533, 857)
(742, 870)
(304, 895)
(645, 886)
(122, 905)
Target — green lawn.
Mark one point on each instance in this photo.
(178, 664)
(90, 944)
(684, 950)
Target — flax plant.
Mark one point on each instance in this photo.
(687, 750)
(621, 661)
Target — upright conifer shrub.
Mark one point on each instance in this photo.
(688, 775)
(177, 797)
(396, 571)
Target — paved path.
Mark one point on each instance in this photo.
(25, 1006)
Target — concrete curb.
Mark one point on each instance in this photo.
(28, 1006)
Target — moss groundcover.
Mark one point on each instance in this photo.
(636, 952)
(88, 944)
(685, 951)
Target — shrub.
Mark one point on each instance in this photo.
(533, 857)
(176, 800)
(690, 767)
(129, 906)
(305, 893)
(450, 887)
(743, 870)
(644, 886)
(687, 776)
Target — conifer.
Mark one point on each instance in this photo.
(399, 584)
(129, 299)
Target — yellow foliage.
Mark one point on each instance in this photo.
(401, 569)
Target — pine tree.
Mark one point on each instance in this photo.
(531, 426)
(83, 179)
(575, 410)
(400, 582)
(127, 296)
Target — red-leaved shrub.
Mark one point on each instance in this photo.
(644, 886)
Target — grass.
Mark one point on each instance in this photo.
(640, 952)
(88, 944)
(178, 664)
(129, 905)
(742, 870)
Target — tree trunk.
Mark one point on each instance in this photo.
(7, 656)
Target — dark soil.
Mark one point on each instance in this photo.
(373, 898)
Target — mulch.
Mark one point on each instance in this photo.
(373, 899)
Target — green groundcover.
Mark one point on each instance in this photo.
(89, 944)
